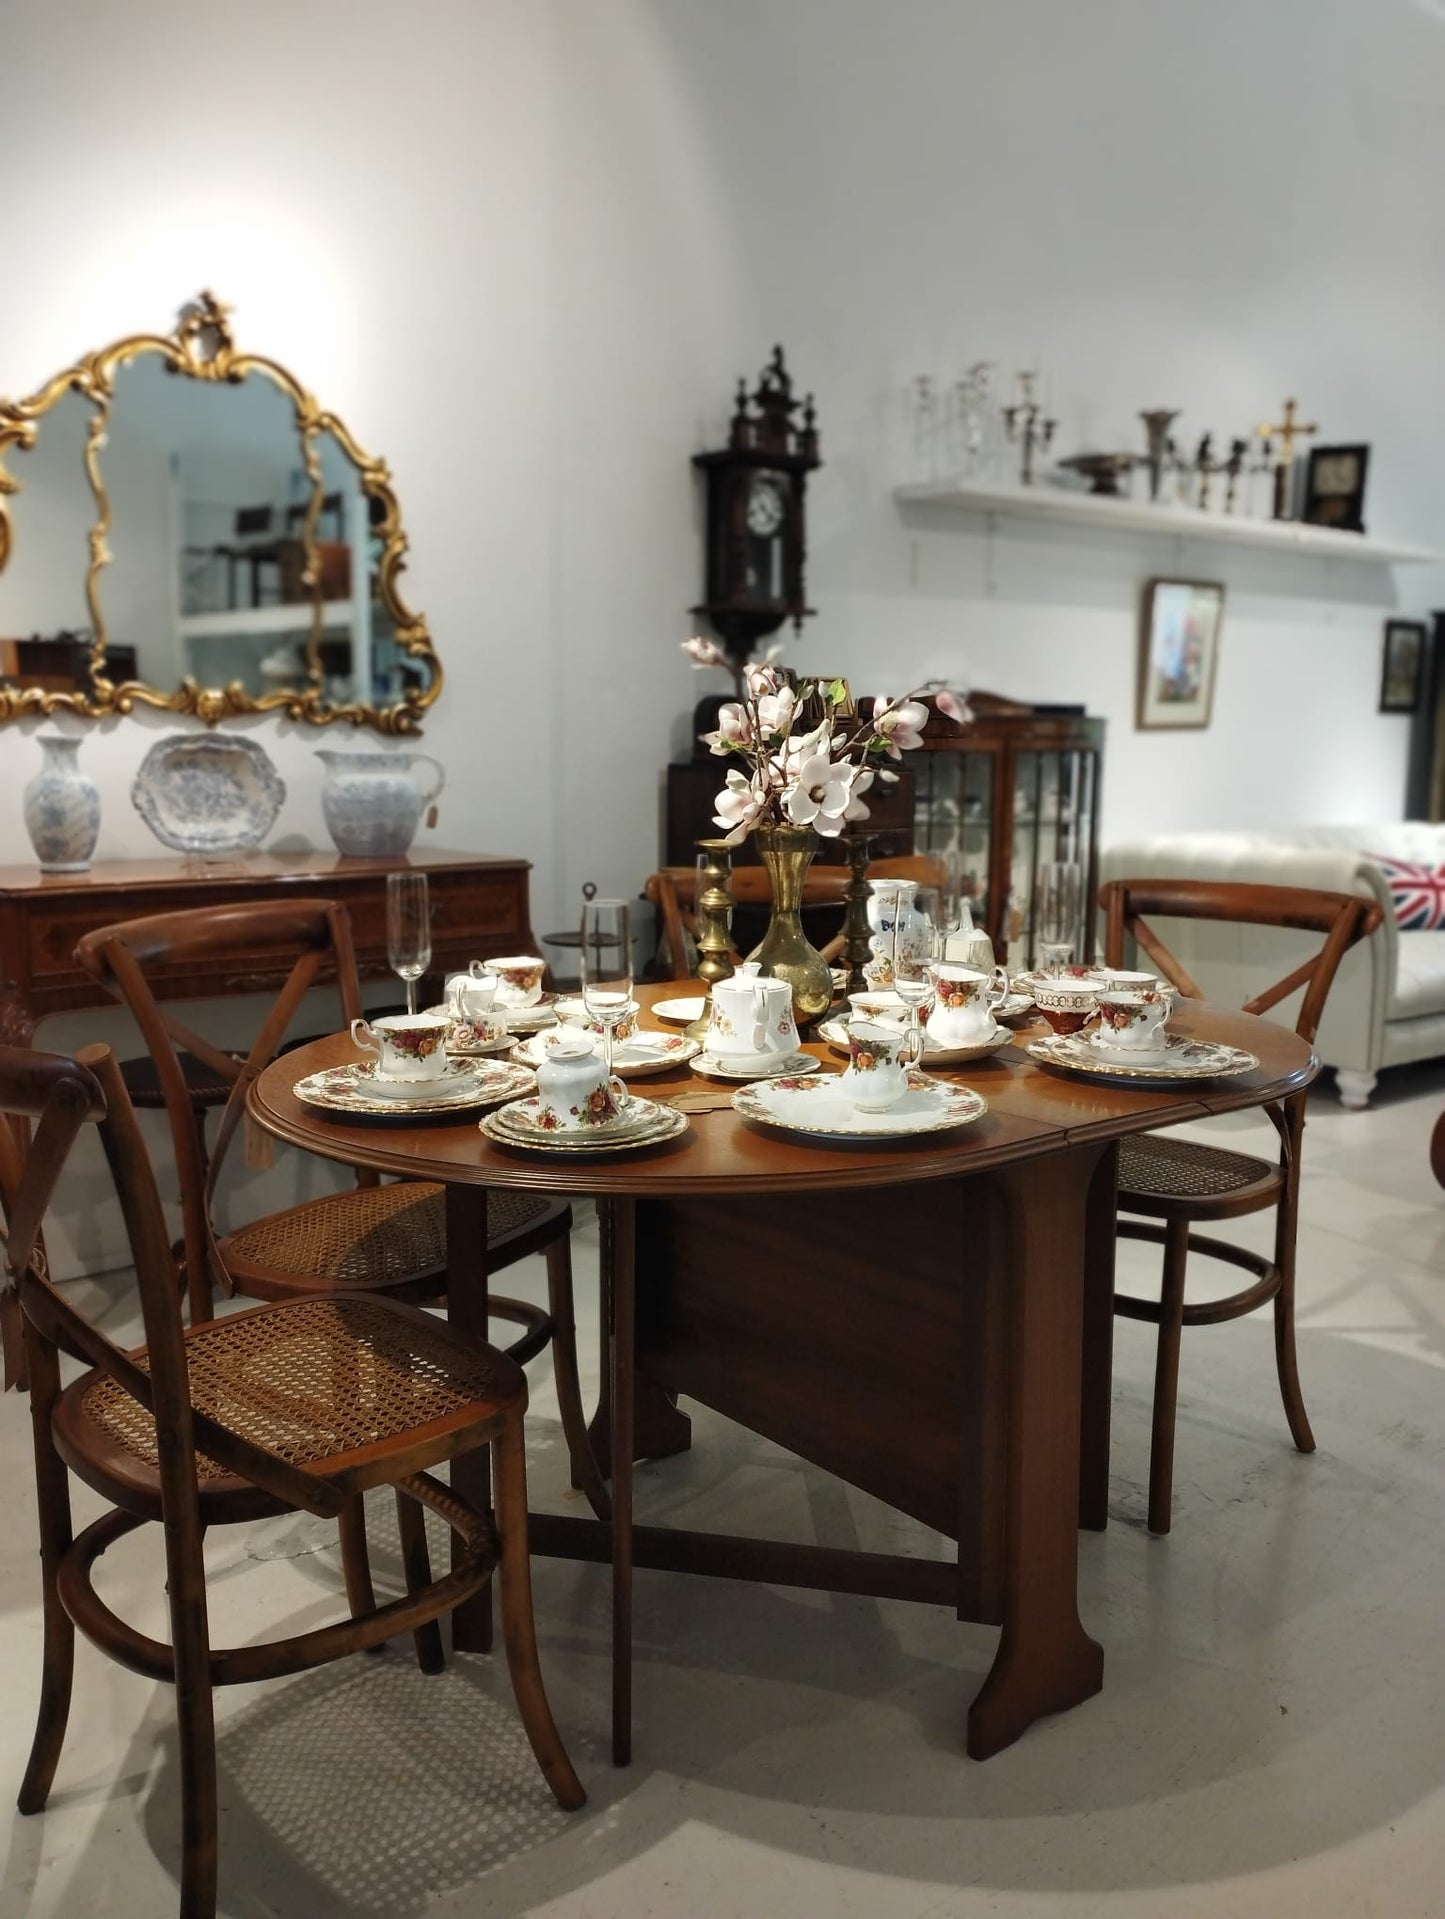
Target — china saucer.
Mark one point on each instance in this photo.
(460, 1078)
(823, 1108)
(530, 1019)
(711, 1067)
(348, 1089)
(939, 1058)
(685, 1011)
(633, 1058)
(1183, 1060)
(643, 1124)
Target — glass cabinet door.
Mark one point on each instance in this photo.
(1053, 816)
(952, 816)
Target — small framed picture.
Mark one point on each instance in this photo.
(1178, 652)
(1402, 666)
(1335, 487)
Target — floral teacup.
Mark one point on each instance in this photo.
(885, 1006)
(879, 1056)
(1133, 1020)
(406, 1045)
(518, 977)
(573, 1088)
(963, 1003)
(1067, 1004)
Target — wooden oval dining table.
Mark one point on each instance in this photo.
(930, 1318)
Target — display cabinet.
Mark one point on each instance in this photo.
(1017, 786)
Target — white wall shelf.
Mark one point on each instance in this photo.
(1092, 512)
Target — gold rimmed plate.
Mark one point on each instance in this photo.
(1180, 1062)
(939, 1059)
(823, 1108)
(634, 1058)
(711, 1067)
(348, 1089)
(518, 1124)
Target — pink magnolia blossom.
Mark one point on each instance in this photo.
(739, 807)
(734, 730)
(703, 652)
(952, 707)
(775, 712)
(899, 727)
(818, 797)
(760, 678)
(862, 780)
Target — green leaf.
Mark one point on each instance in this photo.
(837, 693)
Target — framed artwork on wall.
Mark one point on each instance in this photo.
(1402, 666)
(1178, 652)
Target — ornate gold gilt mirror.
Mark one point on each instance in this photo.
(181, 526)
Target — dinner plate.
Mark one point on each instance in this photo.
(345, 1089)
(711, 1067)
(823, 1109)
(1183, 1060)
(939, 1058)
(684, 1010)
(516, 1124)
(633, 1058)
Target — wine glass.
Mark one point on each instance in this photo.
(915, 937)
(606, 966)
(408, 929)
(1058, 904)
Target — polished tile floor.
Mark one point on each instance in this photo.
(1270, 1740)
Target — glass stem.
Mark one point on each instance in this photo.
(410, 995)
(607, 1046)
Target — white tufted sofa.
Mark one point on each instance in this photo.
(1387, 1005)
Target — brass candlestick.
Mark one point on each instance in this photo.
(712, 908)
(856, 950)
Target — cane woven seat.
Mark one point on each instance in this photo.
(1154, 1167)
(314, 1381)
(372, 1236)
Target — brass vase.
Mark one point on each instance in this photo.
(785, 952)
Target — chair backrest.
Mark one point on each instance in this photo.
(1339, 918)
(60, 1097)
(310, 934)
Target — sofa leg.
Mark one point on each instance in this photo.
(1355, 1088)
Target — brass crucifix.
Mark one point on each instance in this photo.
(1285, 434)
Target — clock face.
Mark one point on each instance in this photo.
(1337, 473)
(766, 506)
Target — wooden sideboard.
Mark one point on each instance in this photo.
(479, 902)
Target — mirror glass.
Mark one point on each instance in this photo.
(46, 636)
(249, 551)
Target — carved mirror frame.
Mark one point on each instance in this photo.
(202, 348)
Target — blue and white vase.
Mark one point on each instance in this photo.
(62, 808)
(371, 802)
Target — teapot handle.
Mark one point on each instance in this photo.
(432, 792)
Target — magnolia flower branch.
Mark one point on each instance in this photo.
(817, 779)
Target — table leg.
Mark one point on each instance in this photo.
(471, 1474)
(1101, 1237)
(1045, 1660)
(618, 1218)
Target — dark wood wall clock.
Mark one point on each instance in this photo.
(756, 485)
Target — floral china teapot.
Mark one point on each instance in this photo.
(752, 1018)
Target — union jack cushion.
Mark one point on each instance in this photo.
(1417, 892)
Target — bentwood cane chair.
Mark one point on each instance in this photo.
(1179, 1182)
(387, 1238)
(301, 1405)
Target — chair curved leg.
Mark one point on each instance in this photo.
(1286, 1364)
(1166, 1375)
(53, 1499)
(585, 1473)
(519, 1632)
(416, 1563)
(356, 1562)
(195, 1714)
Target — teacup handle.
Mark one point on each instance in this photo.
(617, 1087)
(996, 991)
(478, 969)
(913, 1044)
(367, 1044)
